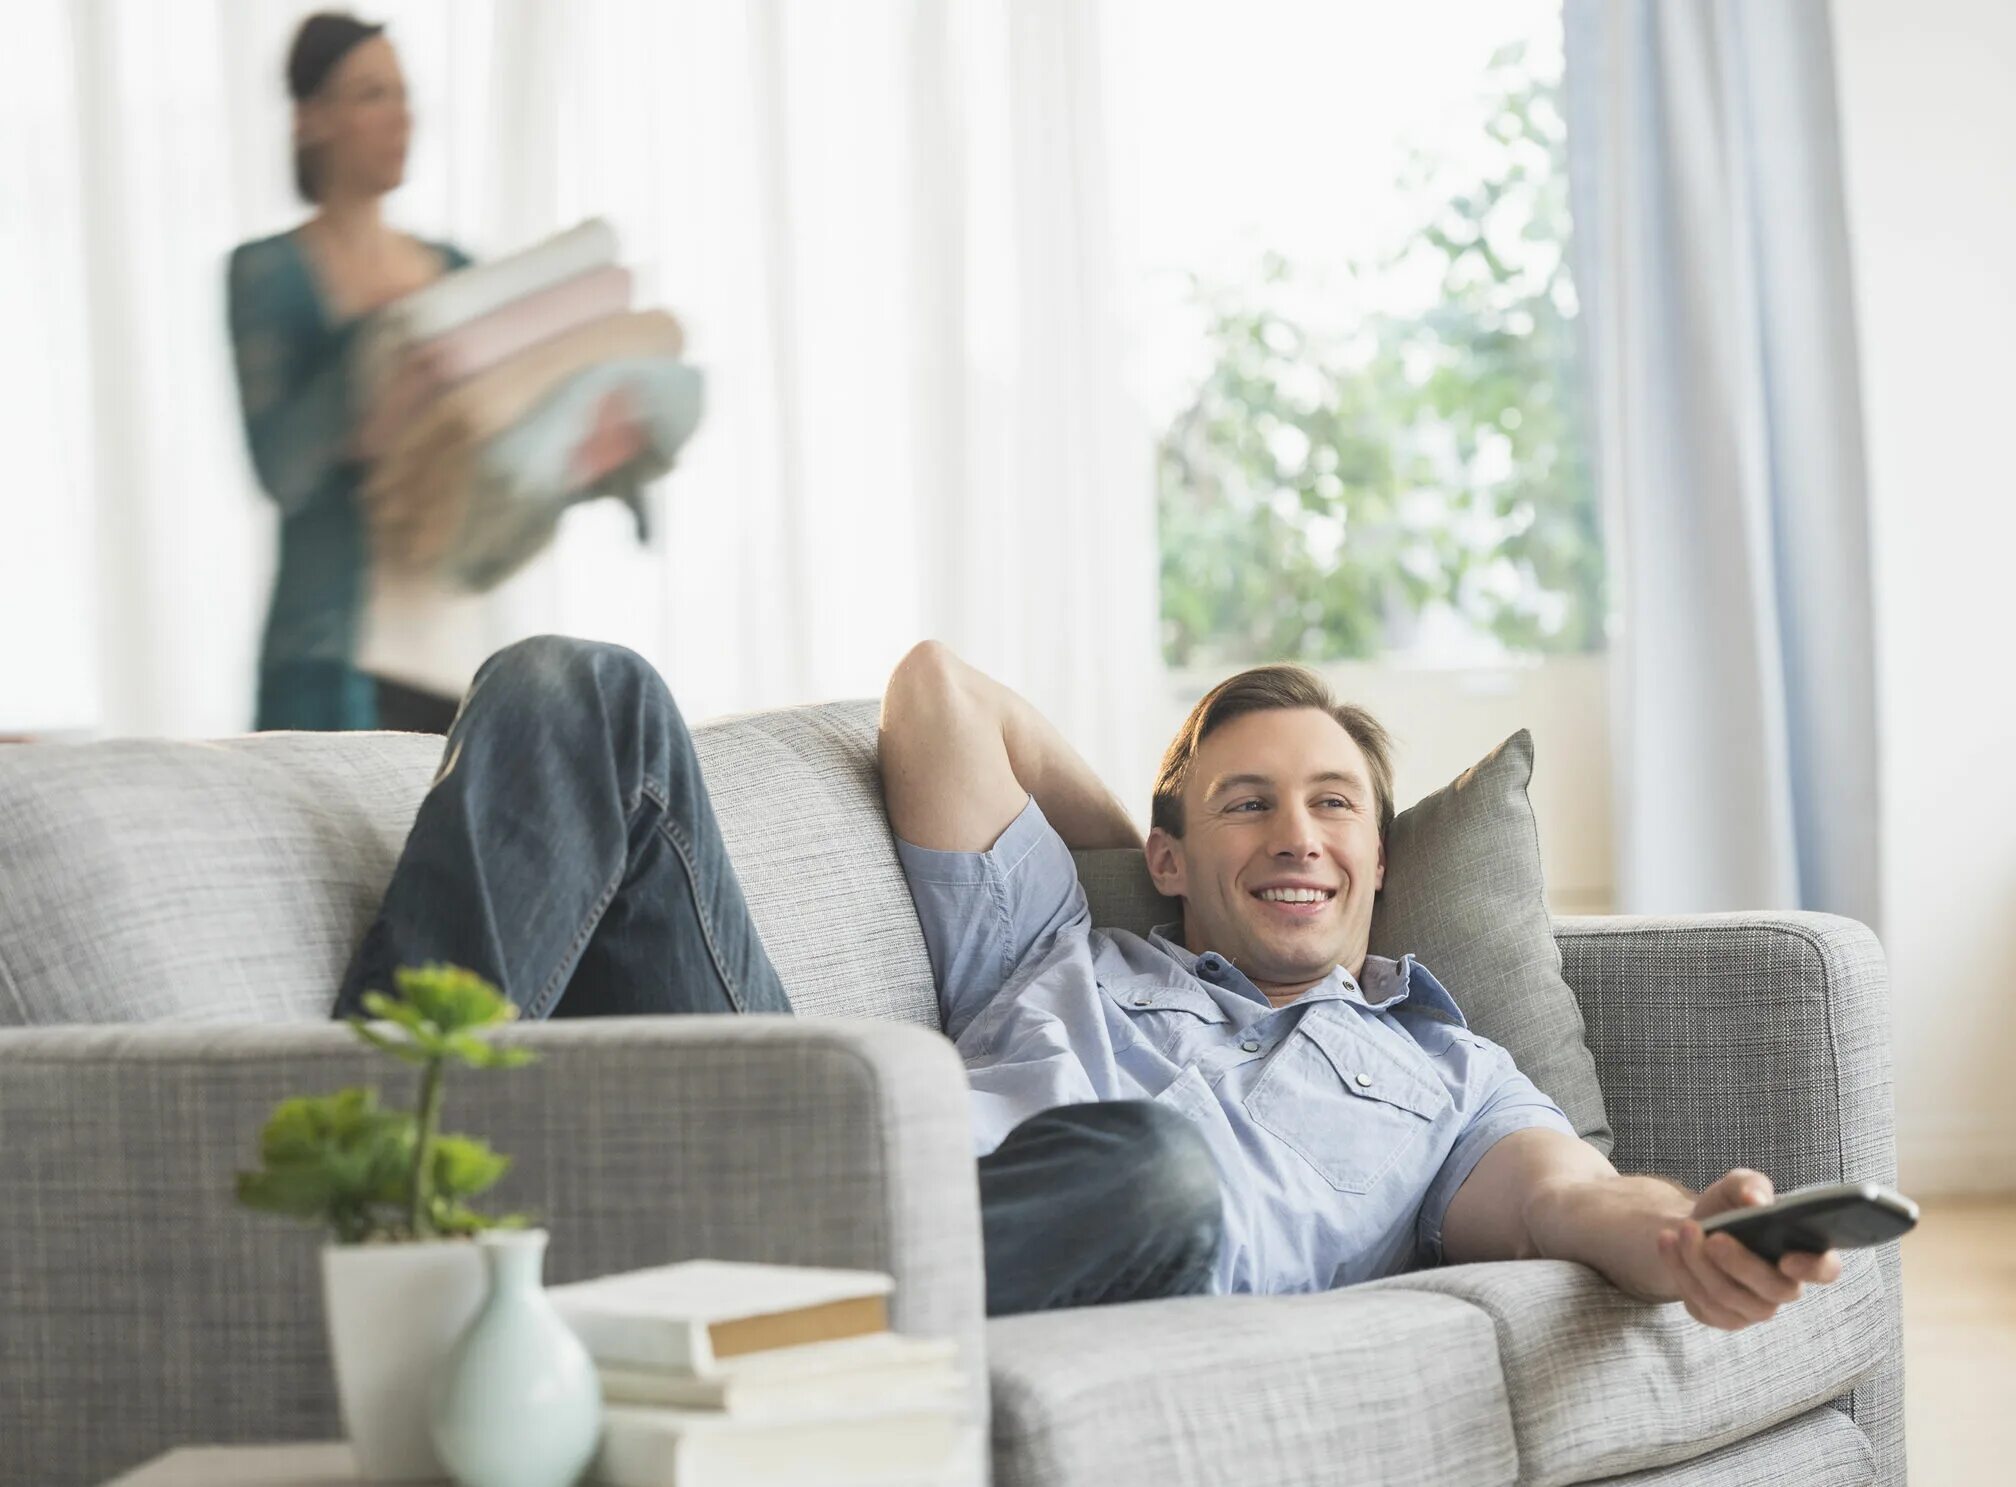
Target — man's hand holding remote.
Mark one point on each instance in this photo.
(1720, 1281)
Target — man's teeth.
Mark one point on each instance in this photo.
(1296, 895)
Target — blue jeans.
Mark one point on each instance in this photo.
(568, 852)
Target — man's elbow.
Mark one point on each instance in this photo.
(927, 684)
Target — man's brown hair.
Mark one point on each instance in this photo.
(1265, 689)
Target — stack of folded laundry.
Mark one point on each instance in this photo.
(502, 394)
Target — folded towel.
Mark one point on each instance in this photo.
(555, 458)
(433, 461)
(426, 370)
(504, 332)
(458, 298)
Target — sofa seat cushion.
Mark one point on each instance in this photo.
(1821, 1448)
(1259, 1390)
(1601, 1384)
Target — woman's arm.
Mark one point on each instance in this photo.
(297, 423)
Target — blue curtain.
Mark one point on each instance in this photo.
(1712, 262)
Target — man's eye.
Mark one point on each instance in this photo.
(1256, 804)
(1336, 800)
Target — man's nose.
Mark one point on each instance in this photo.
(1294, 834)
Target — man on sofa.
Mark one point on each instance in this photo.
(1251, 1104)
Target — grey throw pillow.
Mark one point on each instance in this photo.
(1464, 894)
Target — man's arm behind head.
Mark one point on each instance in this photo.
(960, 754)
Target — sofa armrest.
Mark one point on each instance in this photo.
(1751, 1040)
(1739, 1040)
(141, 1309)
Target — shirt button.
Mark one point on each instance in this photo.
(1141, 1001)
(1364, 1081)
(1251, 1045)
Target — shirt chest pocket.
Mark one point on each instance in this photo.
(1177, 1021)
(1349, 1107)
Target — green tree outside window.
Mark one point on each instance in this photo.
(1320, 493)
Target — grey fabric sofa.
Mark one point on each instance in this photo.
(174, 917)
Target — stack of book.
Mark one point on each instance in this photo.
(718, 1372)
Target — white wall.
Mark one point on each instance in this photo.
(1928, 101)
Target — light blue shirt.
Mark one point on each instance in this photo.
(1341, 1124)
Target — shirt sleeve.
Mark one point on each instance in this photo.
(1514, 1103)
(296, 416)
(985, 913)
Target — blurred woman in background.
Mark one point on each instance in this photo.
(296, 301)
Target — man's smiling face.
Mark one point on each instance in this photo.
(1280, 854)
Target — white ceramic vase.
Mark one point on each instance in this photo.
(395, 1312)
(518, 1403)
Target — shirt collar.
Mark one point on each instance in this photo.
(1383, 986)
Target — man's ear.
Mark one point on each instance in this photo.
(1379, 883)
(1165, 862)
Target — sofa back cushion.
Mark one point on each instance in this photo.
(146, 880)
(799, 798)
(151, 880)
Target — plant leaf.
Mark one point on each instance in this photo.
(470, 1048)
(332, 1159)
(507, 1058)
(399, 1048)
(301, 1193)
(392, 1009)
(453, 998)
(464, 1166)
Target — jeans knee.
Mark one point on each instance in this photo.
(557, 662)
(558, 676)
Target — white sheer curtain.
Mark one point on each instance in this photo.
(1712, 263)
(885, 224)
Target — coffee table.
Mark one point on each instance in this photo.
(314, 1464)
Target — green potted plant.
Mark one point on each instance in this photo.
(401, 1279)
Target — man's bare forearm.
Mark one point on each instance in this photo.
(1541, 1195)
(1611, 1224)
(1073, 798)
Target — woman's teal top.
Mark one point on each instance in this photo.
(295, 393)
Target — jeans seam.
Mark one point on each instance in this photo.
(549, 994)
(669, 828)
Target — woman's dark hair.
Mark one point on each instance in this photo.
(323, 41)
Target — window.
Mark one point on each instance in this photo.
(1351, 229)
(1346, 228)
